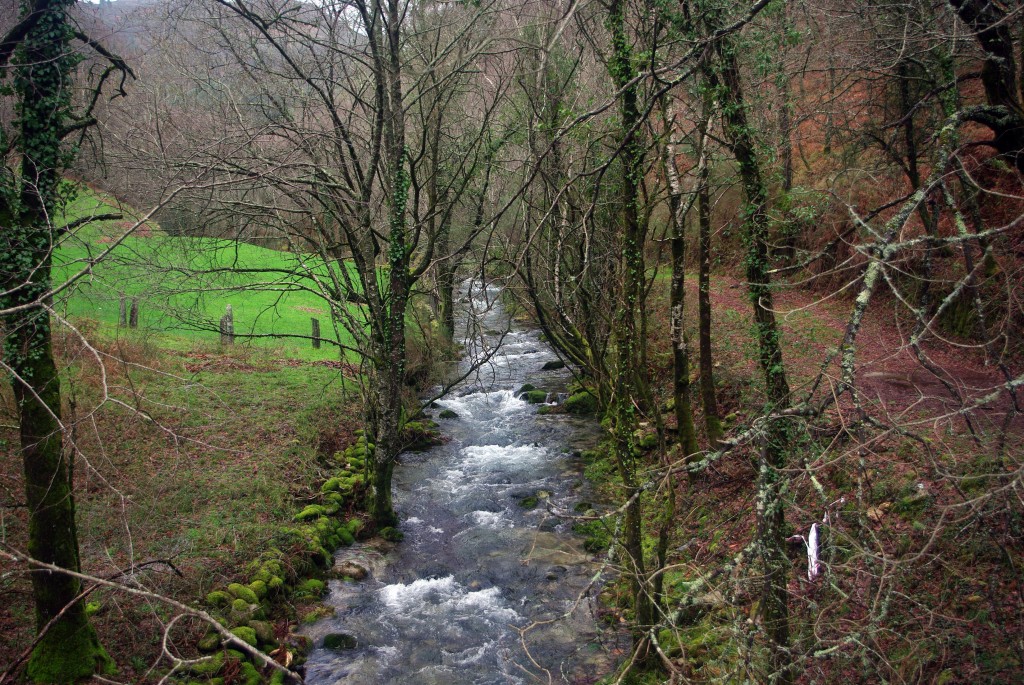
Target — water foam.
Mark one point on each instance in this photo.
(445, 597)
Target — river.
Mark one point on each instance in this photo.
(482, 590)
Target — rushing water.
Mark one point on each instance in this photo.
(449, 604)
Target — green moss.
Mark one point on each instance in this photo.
(246, 634)
(70, 651)
(218, 598)
(249, 674)
(581, 403)
(527, 387)
(331, 485)
(529, 502)
(312, 587)
(210, 667)
(391, 534)
(597, 538)
(242, 592)
(313, 511)
(264, 632)
(259, 588)
(346, 537)
(648, 441)
(209, 642)
(447, 414)
(534, 396)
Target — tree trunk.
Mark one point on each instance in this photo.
(677, 306)
(712, 422)
(770, 507)
(630, 364)
(69, 650)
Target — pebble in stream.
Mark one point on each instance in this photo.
(445, 605)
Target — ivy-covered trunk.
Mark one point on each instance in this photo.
(390, 353)
(628, 320)
(776, 440)
(68, 649)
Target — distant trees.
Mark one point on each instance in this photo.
(362, 133)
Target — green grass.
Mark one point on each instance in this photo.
(184, 285)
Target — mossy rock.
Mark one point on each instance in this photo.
(534, 396)
(339, 641)
(210, 667)
(527, 387)
(581, 403)
(648, 441)
(312, 587)
(529, 502)
(331, 485)
(259, 588)
(264, 632)
(346, 538)
(246, 634)
(391, 534)
(219, 598)
(209, 642)
(242, 612)
(250, 675)
(242, 592)
(312, 512)
(553, 365)
(277, 678)
(275, 583)
(447, 414)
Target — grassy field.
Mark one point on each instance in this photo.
(191, 456)
(184, 285)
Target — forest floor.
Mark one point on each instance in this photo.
(928, 535)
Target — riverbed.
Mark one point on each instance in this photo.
(483, 589)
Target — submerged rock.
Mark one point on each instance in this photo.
(553, 365)
(350, 569)
(339, 641)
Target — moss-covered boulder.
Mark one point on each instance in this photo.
(311, 587)
(447, 414)
(391, 534)
(245, 634)
(310, 513)
(581, 403)
(259, 588)
(534, 396)
(219, 599)
(264, 632)
(240, 591)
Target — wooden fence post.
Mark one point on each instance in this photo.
(227, 327)
(316, 332)
(133, 317)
